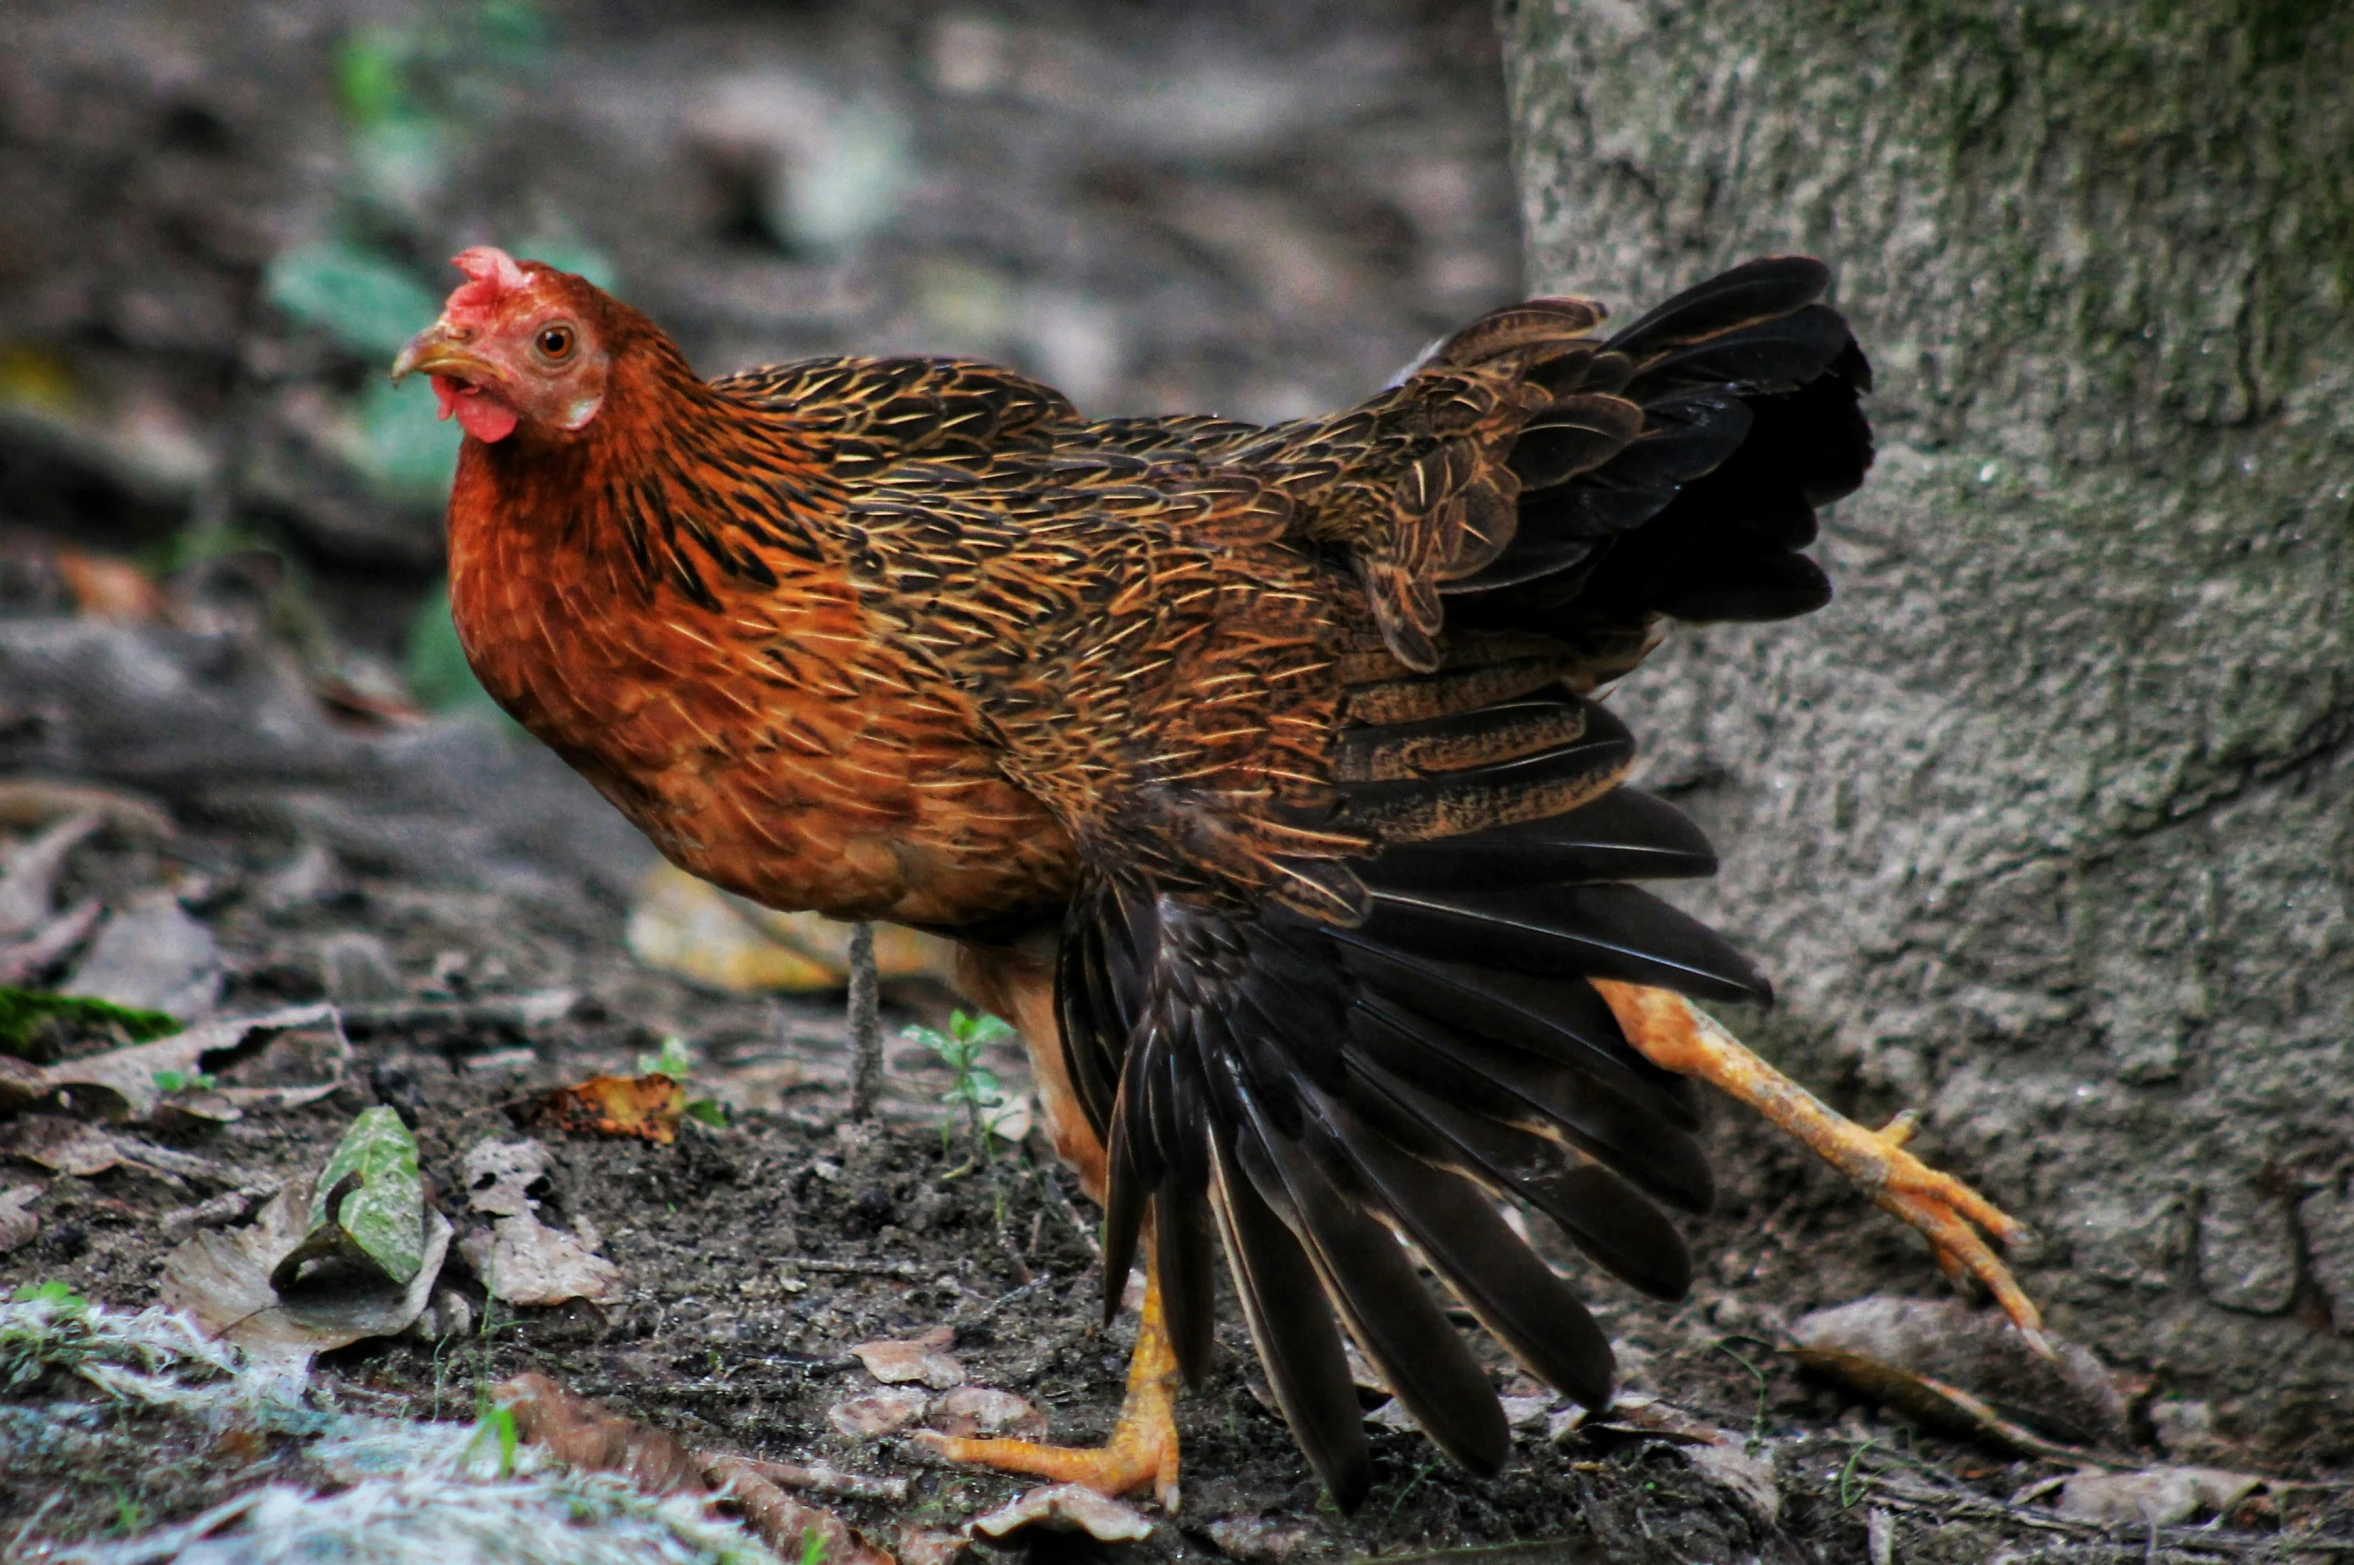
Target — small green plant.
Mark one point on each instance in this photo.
(50, 1292)
(494, 1422)
(130, 1516)
(813, 1547)
(672, 1060)
(181, 1081)
(675, 1060)
(975, 1088)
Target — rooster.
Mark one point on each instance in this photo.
(1258, 772)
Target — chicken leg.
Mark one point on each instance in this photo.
(1674, 1034)
(1143, 1446)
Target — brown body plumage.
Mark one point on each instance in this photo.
(1256, 767)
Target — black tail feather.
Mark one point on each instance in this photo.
(1389, 1313)
(1515, 1295)
(1298, 1344)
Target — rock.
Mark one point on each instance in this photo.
(878, 1413)
(985, 1412)
(2046, 823)
(2247, 1250)
(152, 956)
(1067, 1508)
(2328, 1221)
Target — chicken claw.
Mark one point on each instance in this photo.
(1673, 1034)
(1143, 1449)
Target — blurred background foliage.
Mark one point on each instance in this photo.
(218, 224)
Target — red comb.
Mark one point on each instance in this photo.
(492, 274)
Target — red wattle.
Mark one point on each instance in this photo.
(481, 416)
(486, 420)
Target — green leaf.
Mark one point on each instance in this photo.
(981, 1030)
(50, 1292)
(671, 1060)
(22, 1010)
(368, 1203)
(365, 301)
(710, 1111)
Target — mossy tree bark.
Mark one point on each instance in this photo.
(2047, 823)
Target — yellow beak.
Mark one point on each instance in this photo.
(437, 350)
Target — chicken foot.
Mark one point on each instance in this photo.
(1143, 1446)
(1676, 1035)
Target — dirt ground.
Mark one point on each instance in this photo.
(1319, 191)
(753, 1256)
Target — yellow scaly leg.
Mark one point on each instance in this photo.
(1143, 1447)
(1677, 1036)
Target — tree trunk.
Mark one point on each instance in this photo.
(2047, 822)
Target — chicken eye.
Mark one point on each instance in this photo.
(555, 342)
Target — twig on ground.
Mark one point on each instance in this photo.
(828, 1480)
(532, 1009)
(899, 1269)
(866, 1024)
(1060, 1204)
(795, 1530)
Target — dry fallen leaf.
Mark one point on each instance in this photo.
(985, 1412)
(878, 1413)
(647, 1107)
(2154, 1496)
(918, 1360)
(151, 955)
(24, 960)
(1912, 1344)
(28, 887)
(66, 1146)
(104, 587)
(1066, 1507)
(125, 1080)
(690, 927)
(522, 1259)
(584, 1433)
(500, 1174)
(17, 1223)
(1716, 1453)
(36, 801)
(222, 1279)
(1255, 1538)
(930, 1546)
(797, 1530)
